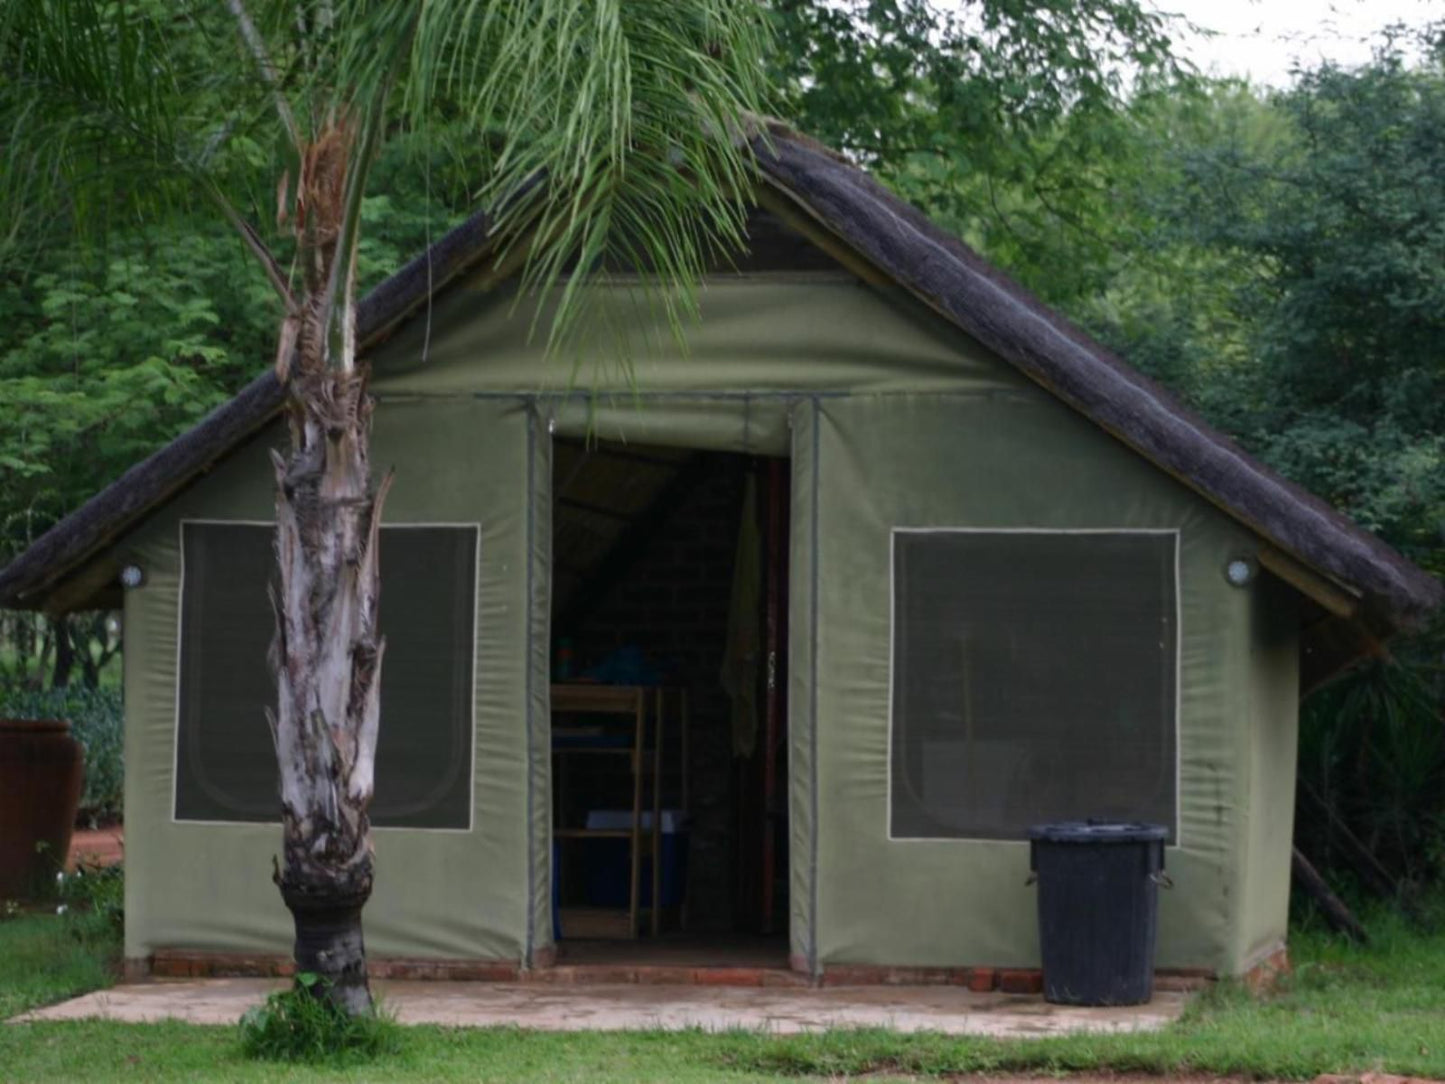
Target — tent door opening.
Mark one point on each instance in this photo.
(669, 720)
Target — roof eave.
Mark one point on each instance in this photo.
(883, 239)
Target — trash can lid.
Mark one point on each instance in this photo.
(1099, 831)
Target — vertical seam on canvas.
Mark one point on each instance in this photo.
(813, 961)
(530, 946)
(176, 722)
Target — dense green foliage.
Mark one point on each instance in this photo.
(1330, 239)
(959, 89)
(106, 355)
(1372, 775)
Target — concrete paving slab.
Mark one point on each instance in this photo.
(953, 1010)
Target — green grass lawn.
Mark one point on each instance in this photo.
(1345, 1009)
(45, 959)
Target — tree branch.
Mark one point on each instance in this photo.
(253, 241)
(254, 42)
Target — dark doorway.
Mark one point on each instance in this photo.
(669, 579)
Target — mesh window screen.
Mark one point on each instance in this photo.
(1034, 680)
(225, 763)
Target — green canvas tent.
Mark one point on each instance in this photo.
(1022, 582)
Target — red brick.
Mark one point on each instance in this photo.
(549, 975)
(1182, 981)
(728, 976)
(498, 971)
(850, 975)
(1021, 981)
(776, 976)
(916, 976)
(982, 979)
(185, 967)
(663, 975)
(603, 974)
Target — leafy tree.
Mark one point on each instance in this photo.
(611, 131)
(1003, 119)
(1300, 297)
(110, 352)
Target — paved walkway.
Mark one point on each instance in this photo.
(610, 1008)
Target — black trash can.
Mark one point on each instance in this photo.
(1098, 909)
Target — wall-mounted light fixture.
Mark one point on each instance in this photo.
(132, 576)
(1240, 571)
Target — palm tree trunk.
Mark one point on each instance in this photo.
(327, 655)
(327, 652)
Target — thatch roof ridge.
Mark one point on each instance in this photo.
(949, 276)
(939, 269)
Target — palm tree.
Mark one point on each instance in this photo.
(612, 129)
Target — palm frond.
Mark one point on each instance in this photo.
(612, 129)
(112, 112)
(628, 112)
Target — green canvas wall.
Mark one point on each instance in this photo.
(1011, 459)
(441, 893)
(890, 419)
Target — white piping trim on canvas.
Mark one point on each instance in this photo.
(476, 672)
(893, 534)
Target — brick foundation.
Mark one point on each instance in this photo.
(177, 964)
(174, 964)
(1008, 980)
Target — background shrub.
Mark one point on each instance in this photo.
(1372, 773)
(93, 900)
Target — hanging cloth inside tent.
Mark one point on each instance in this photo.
(744, 645)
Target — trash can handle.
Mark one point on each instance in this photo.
(1162, 879)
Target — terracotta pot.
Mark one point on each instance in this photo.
(41, 773)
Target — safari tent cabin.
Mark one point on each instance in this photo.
(902, 561)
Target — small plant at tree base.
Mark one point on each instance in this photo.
(303, 1025)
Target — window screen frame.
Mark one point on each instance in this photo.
(1173, 533)
(471, 767)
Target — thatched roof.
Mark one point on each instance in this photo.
(840, 208)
